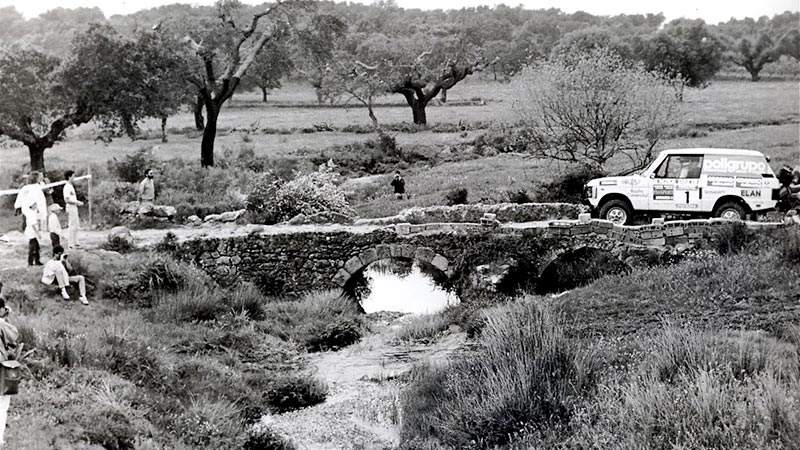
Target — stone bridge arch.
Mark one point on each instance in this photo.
(380, 252)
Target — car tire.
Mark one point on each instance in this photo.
(617, 211)
(730, 210)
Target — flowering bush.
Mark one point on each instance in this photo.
(272, 200)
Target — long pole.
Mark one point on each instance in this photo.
(90, 196)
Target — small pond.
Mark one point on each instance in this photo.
(402, 286)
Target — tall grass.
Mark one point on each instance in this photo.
(525, 373)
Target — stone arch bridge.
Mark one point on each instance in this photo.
(294, 261)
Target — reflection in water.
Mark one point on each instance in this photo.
(409, 291)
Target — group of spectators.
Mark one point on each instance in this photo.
(789, 193)
(39, 218)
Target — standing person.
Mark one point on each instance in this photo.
(72, 202)
(56, 270)
(399, 185)
(146, 193)
(32, 232)
(33, 193)
(8, 342)
(54, 225)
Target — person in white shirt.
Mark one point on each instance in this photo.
(56, 270)
(54, 225)
(8, 343)
(32, 232)
(33, 193)
(146, 194)
(72, 202)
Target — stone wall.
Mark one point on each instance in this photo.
(506, 212)
(291, 263)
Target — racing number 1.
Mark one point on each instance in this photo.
(687, 196)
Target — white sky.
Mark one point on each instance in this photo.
(712, 11)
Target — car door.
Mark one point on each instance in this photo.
(676, 184)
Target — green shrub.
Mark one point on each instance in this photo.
(132, 360)
(729, 355)
(133, 167)
(518, 196)
(323, 320)
(108, 428)
(263, 438)
(117, 244)
(456, 196)
(272, 201)
(733, 238)
(789, 245)
(296, 391)
(524, 373)
(210, 423)
(567, 188)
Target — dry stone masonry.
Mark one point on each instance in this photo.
(294, 262)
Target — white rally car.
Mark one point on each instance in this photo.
(694, 181)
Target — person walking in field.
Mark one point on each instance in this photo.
(54, 225)
(8, 342)
(146, 194)
(56, 270)
(399, 185)
(32, 232)
(73, 218)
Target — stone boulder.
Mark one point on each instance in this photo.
(164, 211)
(487, 277)
(194, 220)
(121, 234)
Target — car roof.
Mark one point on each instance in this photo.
(712, 151)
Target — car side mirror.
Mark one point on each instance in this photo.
(652, 175)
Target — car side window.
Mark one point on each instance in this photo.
(680, 166)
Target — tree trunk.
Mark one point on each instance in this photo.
(37, 157)
(264, 94)
(164, 129)
(417, 107)
(443, 96)
(129, 126)
(754, 74)
(209, 134)
(198, 113)
(418, 111)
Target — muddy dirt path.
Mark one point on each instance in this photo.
(362, 410)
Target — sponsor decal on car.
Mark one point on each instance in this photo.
(687, 206)
(663, 192)
(751, 192)
(721, 181)
(753, 183)
(740, 165)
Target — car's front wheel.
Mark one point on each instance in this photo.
(617, 211)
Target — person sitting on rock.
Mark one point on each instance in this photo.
(146, 194)
(56, 269)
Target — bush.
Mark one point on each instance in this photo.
(322, 320)
(733, 238)
(132, 168)
(524, 373)
(263, 438)
(456, 196)
(272, 201)
(107, 428)
(292, 392)
(789, 245)
(117, 244)
(519, 196)
(567, 188)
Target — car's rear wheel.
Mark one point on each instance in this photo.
(730, 210)
(617, 211)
